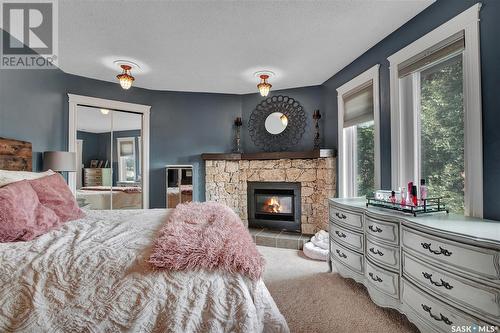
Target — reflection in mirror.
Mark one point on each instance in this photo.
(276, 123)
(109, 156)
(179, 184)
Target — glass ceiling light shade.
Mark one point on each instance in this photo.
(264, 86)
(104, 111)
(125, 78)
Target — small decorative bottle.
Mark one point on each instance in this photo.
(423, 190)
(393, 197)
(403, 196)
(410, 193)
(414, 195)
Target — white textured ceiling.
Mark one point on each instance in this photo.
(216, 46)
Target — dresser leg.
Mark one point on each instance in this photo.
(330, 268)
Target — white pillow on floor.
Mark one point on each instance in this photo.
(7, 176)
(315, 252)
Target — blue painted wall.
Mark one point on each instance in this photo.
(33, 107)
(433, 16)
(183, 125)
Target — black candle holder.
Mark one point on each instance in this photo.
(317, 140)
(237, 135)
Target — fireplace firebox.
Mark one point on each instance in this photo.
(274, 205)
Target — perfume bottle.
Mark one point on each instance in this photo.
(423, 190)
(414, 195)
(403, 196)
(410, 193)
(393, 197)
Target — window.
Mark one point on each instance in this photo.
(442, 131)
(436, 114)
(358, 135)
(126, 159)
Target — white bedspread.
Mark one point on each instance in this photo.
(91, 276)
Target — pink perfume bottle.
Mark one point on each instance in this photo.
(403, 196)
(393, 197)
(423, 190)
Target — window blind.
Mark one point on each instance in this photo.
(126, 148)
(358, 105)
(443, 50)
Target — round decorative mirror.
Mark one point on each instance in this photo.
(276, 123)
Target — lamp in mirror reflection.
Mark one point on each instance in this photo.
(284, 120)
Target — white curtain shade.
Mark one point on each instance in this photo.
(358, 105)
(448, 48)
(126, 148)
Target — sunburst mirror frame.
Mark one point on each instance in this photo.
(292, 134)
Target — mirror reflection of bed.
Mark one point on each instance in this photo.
(109, 159)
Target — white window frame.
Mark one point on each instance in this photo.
(468, 21)
(347, 169)
(118, 150)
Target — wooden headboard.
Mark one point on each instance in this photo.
(15, 155)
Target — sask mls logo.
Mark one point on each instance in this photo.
(29, 36)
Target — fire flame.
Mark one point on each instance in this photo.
(272, 205)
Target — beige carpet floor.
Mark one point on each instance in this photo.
(316, 301)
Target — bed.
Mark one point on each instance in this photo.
(99, 197)
(91, 275)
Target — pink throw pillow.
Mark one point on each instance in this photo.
(22, 216)
(53, 193)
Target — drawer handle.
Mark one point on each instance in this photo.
(372, 250)
(376, 278)
(437, 284)
(376, 229)
(340, 216)
(445, 252)
(438, 318)
(341, 254)
(340, 234)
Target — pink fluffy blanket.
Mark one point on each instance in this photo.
(209, 236)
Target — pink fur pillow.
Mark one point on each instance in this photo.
(206, 236)
(22, 216)
(53, 193)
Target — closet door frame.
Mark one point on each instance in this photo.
(75, 100)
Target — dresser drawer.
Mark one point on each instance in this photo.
(474, 260)
(349, 258)
(350, 239)
(385, 281)
(437, 314)
(347, 218)
(385, 231)
(466, 294)
(383, 254)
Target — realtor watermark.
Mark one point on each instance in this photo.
(474, 329)
(29, 34)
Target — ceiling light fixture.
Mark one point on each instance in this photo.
(125, 78)
(264, 86)
(104, 111)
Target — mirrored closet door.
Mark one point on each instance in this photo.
(109, 154)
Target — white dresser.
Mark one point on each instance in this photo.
(442, 271)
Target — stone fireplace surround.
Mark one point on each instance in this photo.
(226, 177)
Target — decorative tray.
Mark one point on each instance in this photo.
(430, 205)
